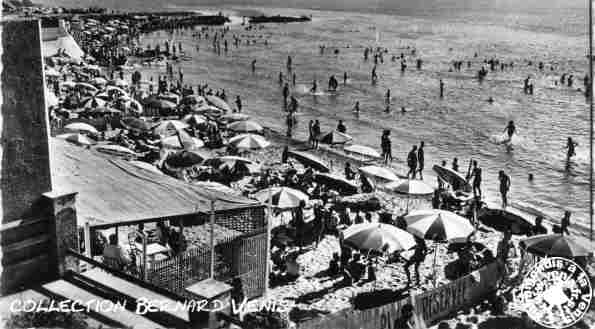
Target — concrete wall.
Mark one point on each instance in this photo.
(25, 238)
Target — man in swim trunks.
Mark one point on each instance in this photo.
(476, 175)
(412, 162)
(504, 187)
(314, 87)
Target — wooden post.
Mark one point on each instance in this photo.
(212, 240)
(144, 238)
(268, 242)
(87, 233)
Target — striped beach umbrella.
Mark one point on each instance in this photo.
(378, 237)
(282, 197)
(410, 188)
(245, 127)
(362, 150)
(439, 225)
(381, 173)
(249, 142)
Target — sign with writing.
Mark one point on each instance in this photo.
(438, 303)
(426, 309)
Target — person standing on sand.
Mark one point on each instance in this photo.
(418, 257)
(504, 187)
(239, 103)
(441, 88)
(344, 78)
(280, 78)
(341, 127)
(316, 133)
(253, 66)
(476, 175)
(387, 97)
(311, 133)
(374, 75)
(356, 108)
(455, 164)
(385, 146)
(412, 162)
(293, 79)
(510, 130)
(420, 160)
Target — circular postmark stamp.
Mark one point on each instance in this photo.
(556, 292)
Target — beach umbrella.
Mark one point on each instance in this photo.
(335, 182)
(439, 225)
(218, 102)
(363, 150)
(76, 138)
(209, 110)
(193, 100)
(310, 160)
(195, 119)
(282, 197)
(555, 245)
(169, 127)
(377, 172)
(245, 126)
(217, 187)
(104, 110)
(175, 142)
(51, 72)
(184, 159)
(92, 102)
(162, 104)
(217, 161)
(115, 89)
(135, 123)
(51, 99)
(504, 220)
(87, 86)
(103, 95)
(68, 84)
(99, 81)
(452, 178)
(335, 137)
(116, 150)
(410, 188)
(146, 166)
(120, 83)
(232, 117)
(378, 237)
(249, 141)
(81, 126)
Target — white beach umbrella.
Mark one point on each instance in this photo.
(175, 142)
(439, 225)
(365, 151)
(377, 172)
(76, 138)
(169, 127)
(245, 126)
(81, 126)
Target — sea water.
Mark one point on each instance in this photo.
(462, 124)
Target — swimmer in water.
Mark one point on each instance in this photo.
(490, 100)
(356, 108)
(314, 87)
(570, 147)
(510, 130)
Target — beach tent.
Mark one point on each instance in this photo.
(113, 192)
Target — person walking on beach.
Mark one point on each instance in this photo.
(293, 79)
(441, 88)
(239, 103)
(253, 66)
(356, 108)
(385, 146)
(293, 105)
(280, 78)
(344, 78)
(412, 162)
(289, 120)
(289, 63)
(476, 175)
(565, 223)
(570, 148)
(387, 97)
(504, 187)
(374, 75)
(314, 87)
(420, 160)
(418, 257)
